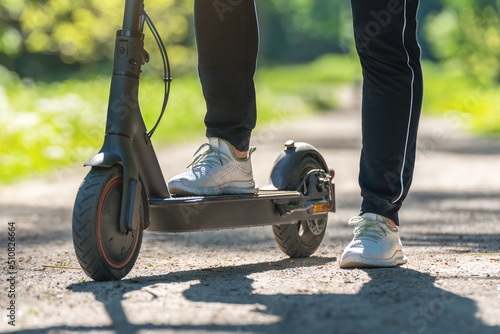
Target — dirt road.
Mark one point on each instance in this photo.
(239, 281)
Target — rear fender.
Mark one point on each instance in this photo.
(286, 161)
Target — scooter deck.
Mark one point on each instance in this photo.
(203, 213)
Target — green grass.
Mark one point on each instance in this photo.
(52, 125)
(448, 89)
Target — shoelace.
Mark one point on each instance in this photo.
(367, 229)
(204, 158)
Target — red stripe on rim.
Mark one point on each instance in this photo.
(108, 261)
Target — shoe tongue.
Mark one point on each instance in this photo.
(220, 144)
(214, 142)
(373, 217)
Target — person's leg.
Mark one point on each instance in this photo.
(385, 35)
(227, 38)
(386, 41)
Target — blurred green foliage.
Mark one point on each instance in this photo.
(300, 30)
(467, 34)
(84, 30)
(465, 39)
(81, 32)
(450, 90)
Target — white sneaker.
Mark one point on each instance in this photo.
(375, 244)
(215, 171)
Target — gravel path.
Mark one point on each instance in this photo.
(239, 281)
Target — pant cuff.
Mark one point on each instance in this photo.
(239, 138)
(381, 207)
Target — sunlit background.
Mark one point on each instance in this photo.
(55, 67)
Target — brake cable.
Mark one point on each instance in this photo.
(167, 77)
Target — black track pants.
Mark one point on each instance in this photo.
(385, 35)
(227, 36)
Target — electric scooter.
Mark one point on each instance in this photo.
(125, 192)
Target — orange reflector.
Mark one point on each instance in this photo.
(322, 207)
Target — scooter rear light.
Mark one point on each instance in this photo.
(322, 207)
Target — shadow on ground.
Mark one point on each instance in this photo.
(398, 300)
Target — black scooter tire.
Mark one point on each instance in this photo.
(103, 252)
(298, 240)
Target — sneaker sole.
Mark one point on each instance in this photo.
(358, 261)
(224, 189)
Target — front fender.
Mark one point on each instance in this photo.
(118, 150)
(103, 159)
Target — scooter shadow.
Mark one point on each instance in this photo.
(396, 300)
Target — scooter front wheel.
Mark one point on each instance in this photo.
(103, 251)
(304, 237)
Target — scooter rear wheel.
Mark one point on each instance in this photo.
(302, 238)
(103, 251)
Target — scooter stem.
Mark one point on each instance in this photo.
(132, 21)
(126, 141)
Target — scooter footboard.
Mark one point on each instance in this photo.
(189, 214)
